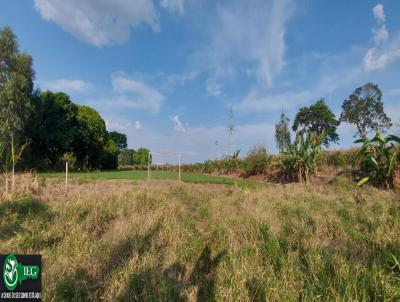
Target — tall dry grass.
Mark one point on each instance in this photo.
(169, 241)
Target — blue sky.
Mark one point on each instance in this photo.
(166, 72)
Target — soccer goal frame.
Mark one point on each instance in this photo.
(171, 154)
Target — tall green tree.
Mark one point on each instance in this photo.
(282, 133)
(16, 89)
(91, 138)
(16, 84)
(54, 127)
(318, 118)
(125, 157)
(364, 109)
(119, 139)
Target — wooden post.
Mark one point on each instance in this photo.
(148, 167)
(66, 178)
(179, 162)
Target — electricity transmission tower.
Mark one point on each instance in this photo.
(231, 146)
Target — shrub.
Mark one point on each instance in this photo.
(257, 161)
(340, 158)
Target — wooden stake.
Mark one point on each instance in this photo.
(66, 178)
(179, 162)
(148, 166)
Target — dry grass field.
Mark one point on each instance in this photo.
(160, 240)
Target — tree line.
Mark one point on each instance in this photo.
(316, 125)
(363, 109)
(41, 130)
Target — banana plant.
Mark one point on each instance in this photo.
(379, 159)
(300, 161)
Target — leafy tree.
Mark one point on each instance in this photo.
(282, 133)
(141, 156)
(91, 139)
(119, 139)
(125, 157)
(16, 88)
(318, 118)
(16, 84)
(364, 108)
(53, 127)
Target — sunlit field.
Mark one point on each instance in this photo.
(142, 174)
(165, 240)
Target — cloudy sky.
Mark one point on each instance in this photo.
(166, 72)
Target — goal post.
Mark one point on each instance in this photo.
(177, 155)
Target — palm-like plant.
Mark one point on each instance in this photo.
(300, 161)
(379, 159)
(16, 153)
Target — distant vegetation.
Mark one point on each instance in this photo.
(43, 130)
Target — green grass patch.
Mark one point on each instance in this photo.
(189, 177)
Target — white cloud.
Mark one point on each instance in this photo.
(255, 102)
(133, 93)
(378, 12)
(247, 32)
(173, 5)
(178, 126)
(379, 32)
(379, 58)
(67, 85)
(380, 35)
(117, 125)
(384, 51)
(99, 22)
(138, 125)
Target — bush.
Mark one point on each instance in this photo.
(257, 161)
(341, 158)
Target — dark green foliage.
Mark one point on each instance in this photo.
(119, 139)
(364, 108)
(109, 158)
(318, 118)
(88, 147)
(379, 159)
(125, 157)
(282, 133)
(53, 128)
